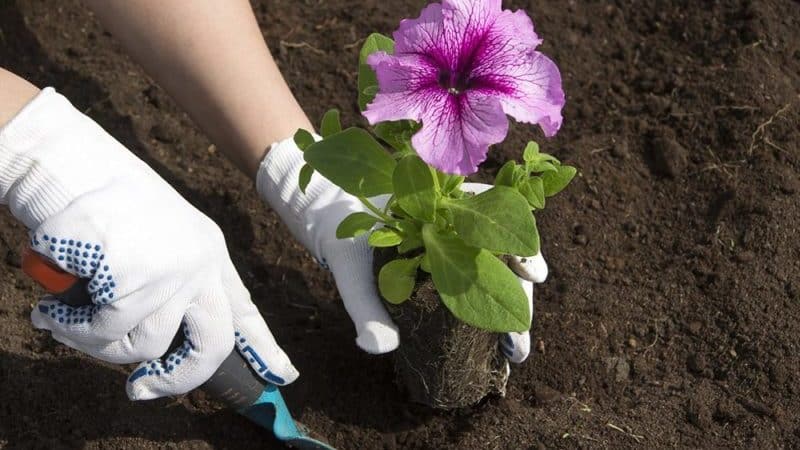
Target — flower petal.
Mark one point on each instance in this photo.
(458, 130)
(536, 96)
(406, 85)
(527, 82)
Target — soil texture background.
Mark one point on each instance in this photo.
(671, 315)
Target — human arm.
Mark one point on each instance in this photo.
(211, 58)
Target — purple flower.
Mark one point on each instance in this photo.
(459, 69)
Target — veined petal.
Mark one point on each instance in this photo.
(406, 86)
(455, 136)
(537, 96)
(527, 82)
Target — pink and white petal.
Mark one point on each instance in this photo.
(421, 34)
(536, 95)
(404, 85)
(457, 132)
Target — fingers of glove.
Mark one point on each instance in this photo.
(532, 268)
(97, 324)
(254, 340)
(207, 327)
(517, 346)
(476, 188)
(118, 305)
(149, 340)
(350, 261)
(76, 324)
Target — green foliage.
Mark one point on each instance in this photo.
(498, 220)
(305, 177)
(555, 182)
(355, 225)
(303, 139)
(475, 286)
(367, 81)
(385, 237)
(396, 279)
(434, 224)
(330, 123)
(353, 160)
(539, 177)
(416, 188)
(398, 135)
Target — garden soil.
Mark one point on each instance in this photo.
(671, 315)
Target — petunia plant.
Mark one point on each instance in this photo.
(436, 98)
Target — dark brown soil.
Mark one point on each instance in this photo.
(672, 313)
(443, 362)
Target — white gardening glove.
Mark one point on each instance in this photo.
(313, 218)
(154, 262)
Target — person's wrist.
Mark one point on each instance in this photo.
(15, 93)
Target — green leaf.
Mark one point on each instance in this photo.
(397, 278)
(533, 191)
(541, 166)
(305, 177)
(449, 183)
(367, 81)
(555, 182)
(498, 220)
(397, 134)
(476, 287)
(409, 243)
(425, 263)
(531, 152)
(355, 225)
(505, 176)
(303, 139)
(415, 188)
(520, 175)
(354, 161)
(412, 235)
(330, 123)
(385, 237)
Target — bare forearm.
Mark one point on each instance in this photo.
(14, 94)
(211, 58)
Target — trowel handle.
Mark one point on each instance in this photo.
(234, 383)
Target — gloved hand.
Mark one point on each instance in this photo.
(155, 263)
(313, 218)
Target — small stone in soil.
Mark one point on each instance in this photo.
(619, 366)
(697, 363)
(698, 414)
(666, 156)
(545, 394)
(745, 256)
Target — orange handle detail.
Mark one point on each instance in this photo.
(47, 274)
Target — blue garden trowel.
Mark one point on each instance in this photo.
(234, 383)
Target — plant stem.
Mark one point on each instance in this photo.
(388, 204)
(375, 210)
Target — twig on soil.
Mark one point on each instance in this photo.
(720, 165)
(775, 146)
(302, 44)
(763, 126)
(636, 437)
(716, 108)
(354, 44)
(584, 407)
